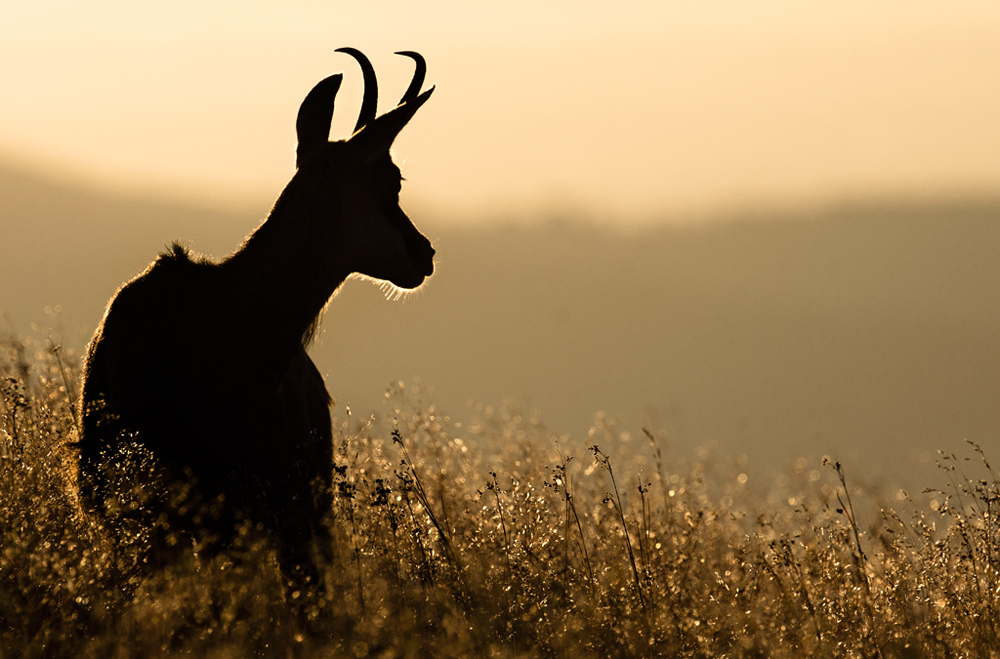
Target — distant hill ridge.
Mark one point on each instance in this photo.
(865, 327)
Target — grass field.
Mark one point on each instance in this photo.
(503, 539)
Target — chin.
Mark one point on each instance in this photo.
(414, 276)
(399, 287)
(409, 282)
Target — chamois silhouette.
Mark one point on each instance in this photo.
(201, 366)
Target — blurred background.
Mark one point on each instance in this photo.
(772, 228)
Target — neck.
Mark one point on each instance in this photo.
(288, 269)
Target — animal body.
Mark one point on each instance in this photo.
(202, 365)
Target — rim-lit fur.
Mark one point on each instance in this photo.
(202, 365)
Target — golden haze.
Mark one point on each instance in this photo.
(870, 329)
(657, 109)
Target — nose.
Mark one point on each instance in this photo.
(427, 257)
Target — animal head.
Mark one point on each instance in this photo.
(360, 178)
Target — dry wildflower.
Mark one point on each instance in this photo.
(443, 548)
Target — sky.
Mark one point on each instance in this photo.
(644, 112)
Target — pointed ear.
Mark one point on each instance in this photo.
(315, 114)
(374, 140)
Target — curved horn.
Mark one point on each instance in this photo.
(418, 75)
(312, 125)
(370, 99)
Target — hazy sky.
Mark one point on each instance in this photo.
(646, 110)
